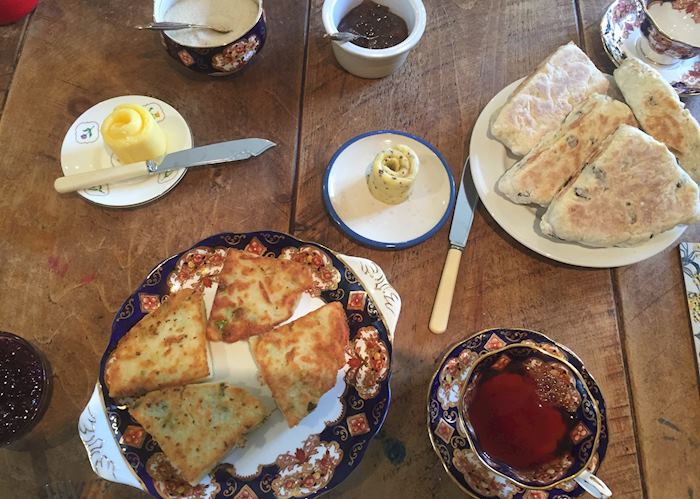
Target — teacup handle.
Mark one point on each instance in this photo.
(593, 485)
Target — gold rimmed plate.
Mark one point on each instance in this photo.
(277, 460)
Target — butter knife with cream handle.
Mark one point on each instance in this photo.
(222, 152)
(467, 198)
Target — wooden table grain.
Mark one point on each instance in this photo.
(71, 263)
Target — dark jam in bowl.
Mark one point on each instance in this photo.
(381, 27)
(24, 384)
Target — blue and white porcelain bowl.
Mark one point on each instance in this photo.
(218, 60)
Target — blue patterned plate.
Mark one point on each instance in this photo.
(452, 447)
(277, 461)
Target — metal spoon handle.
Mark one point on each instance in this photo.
(169, 26)
(342, 37)
(346, 36)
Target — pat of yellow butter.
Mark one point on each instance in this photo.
(133, 134)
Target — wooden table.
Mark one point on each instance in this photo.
(69, 264)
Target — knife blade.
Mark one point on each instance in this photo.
(467, 199)
(222, 152)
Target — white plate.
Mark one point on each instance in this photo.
(381, 225)
(489, 159)
(84, 150)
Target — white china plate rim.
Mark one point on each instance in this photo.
(489, 159)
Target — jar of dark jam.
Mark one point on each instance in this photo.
(25, 383)
(377, 25)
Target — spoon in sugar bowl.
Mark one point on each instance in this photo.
(170, 26)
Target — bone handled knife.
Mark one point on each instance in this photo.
(221, 152)
(467, 198)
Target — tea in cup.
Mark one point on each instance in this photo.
(530, 417)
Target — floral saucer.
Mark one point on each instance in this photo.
(452, 447)
(84, 150)
(277, 461)
(620, 31)
(374, 223)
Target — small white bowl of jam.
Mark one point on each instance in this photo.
(389, 29)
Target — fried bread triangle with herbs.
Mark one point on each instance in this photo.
(255, 294)
(168, 347)
(197, 425)
(299, 361)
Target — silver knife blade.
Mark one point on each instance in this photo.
(222, 152)
(467, 199)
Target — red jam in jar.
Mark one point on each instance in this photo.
(24, 387)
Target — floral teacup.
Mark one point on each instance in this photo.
(222, 56)
(670, 30)
(558, 384)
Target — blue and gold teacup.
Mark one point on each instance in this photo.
(522, 401)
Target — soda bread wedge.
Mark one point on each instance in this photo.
(197, 425)
(542, 101)
(255, 294)
(630, 190)
(660, 112)
(537, 177)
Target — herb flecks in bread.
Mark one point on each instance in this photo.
(166, 348)
(299, 361)
(197, 425)
(255, 294)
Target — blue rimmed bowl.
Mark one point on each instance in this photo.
(218, 59)
(373, 223)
